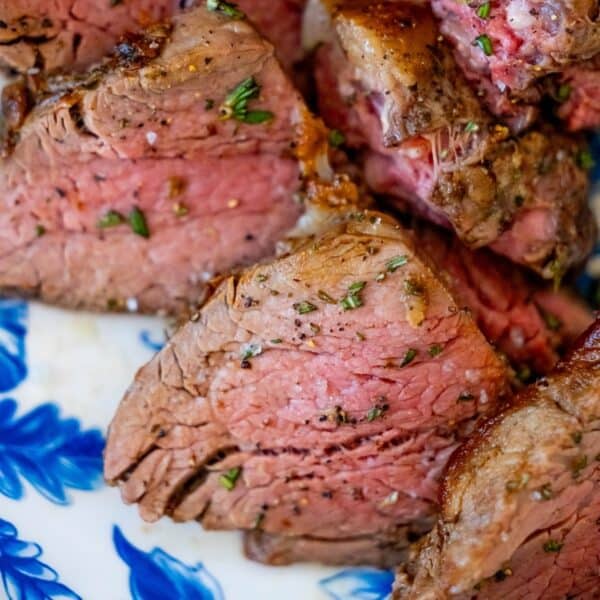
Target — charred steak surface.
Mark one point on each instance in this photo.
(521, 499)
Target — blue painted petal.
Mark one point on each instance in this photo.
(359, 584)
(24, 576)
(13, 368)
(51, 453)
(157, 575)
(146, 339)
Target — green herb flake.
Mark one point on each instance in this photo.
(251, 351)
(227, 8)
(485, 43)
(261, 278)
(180, 210)
(395, 263)
(235, 105)
(546, 492)
(410, 355)
(552, 321)
(435, 350)
(377, 412)
(564, 92)
(111, 219)
(276, 341)
(40, 230)
(471, 127)
(353, 299)
(304, 307)
(229, 479)
(585, 160)
(465, 397)
(325, 297)
(552, 546)
(336, 138)
(379, 277)
(138, 223)
(524, 374)
(483, 12)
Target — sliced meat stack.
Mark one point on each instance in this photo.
(134, 184)
(312, 402)
(37, 35)
(388, 81)
(521, 499)
(509, 48)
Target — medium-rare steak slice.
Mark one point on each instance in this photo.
(45, 36)
(507, 47)
(389, 83)
(137, 185)
(316, 397)
(521, 499)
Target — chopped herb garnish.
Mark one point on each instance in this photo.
(261, 278)
(376, 412)
(465, 397)
(40, 230)
(209, 104)
(483, 12)
(395, 263)
(336, 138)
(235, 105)
(304, 307)
(137, 220)
(552, 546)
(435, 350)
(326, 297)
(229, 479)
(379, 277)
(577, 437)
(471, 127)
(180, 210)
(226, 8)
(111, 219)
(552, 321)
(546, 492)
(564, 92)
(578, 465)
(410, 355)
(484, 42)
(276, 341)
(585, 160)
(353, 299)
(251, 351)
(524, 373)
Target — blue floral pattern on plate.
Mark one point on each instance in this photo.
(13, 329)
(148, 342)
(51, 453)
(359, 584)
(24, 576)
(156, 575)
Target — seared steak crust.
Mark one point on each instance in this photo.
(333, 384)
(389, 83)
(136, 183)
(521, 498)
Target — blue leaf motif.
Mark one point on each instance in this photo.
(13, 329)
(359, 584)
(146, 339)
(156, 575)
(24, 576)
(51, 453)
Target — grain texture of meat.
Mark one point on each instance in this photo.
(134, 184)
(509, 49)
(521, 499)
(315, 398)
(389, 83)
(38, 35)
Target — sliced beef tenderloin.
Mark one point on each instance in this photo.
(507, 47)
(316, 398)
(529, 322)
(138, 184)
(521, 499)
(37, 35)
(391, 86)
